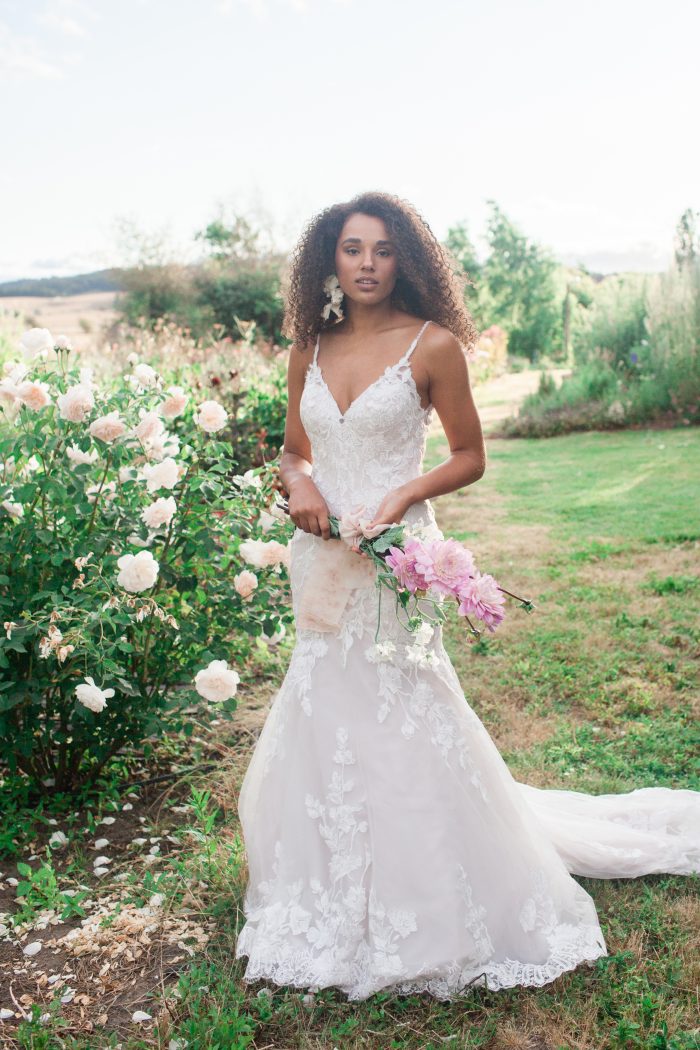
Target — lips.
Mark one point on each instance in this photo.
(366, 280)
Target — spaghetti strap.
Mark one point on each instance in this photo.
(316, 347)
(414, 344)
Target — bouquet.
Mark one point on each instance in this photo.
(417, 569)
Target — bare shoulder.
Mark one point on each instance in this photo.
(300, 357)
(442, 354)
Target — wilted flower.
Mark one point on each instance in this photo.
(137, 572)
(217, 682)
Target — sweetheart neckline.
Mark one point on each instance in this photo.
(389, 368)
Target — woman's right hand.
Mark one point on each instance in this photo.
(308, 509)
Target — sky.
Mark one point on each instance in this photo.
(579, 120)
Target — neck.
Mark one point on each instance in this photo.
(364, 320)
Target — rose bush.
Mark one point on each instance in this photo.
(133, 568)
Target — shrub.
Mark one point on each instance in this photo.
(130, 552)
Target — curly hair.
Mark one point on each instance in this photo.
(429, 281)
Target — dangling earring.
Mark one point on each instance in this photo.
(331, 287)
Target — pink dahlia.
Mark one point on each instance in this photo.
(446, 565)
(481, 597)
(403, 565)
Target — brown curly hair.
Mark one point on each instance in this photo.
(429, 284)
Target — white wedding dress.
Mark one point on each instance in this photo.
(388, 845)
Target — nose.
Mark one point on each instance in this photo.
(367, 261)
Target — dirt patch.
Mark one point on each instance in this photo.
(83, 318)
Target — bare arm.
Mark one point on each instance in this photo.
(307, 507)
(450, 393)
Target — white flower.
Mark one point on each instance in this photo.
(34, 394)
(132, 359)
(15, 371)
(76, 454)
(108, 428)
(211, 416)
(75, 404)
(264, 553)
(217, 682)
(163, 475)
(86, 379)
(245, 583)
(165, 445)
(15, 510)
(146, 376)
(174, 405)
(381, 651)
(63, 342)
(8, 393)
(266, 521)
(150, 428)
(424, 633)
(137, 572)
(91, 696)
(36, 340)
(160, 512)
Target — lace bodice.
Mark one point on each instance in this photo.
(377, 444)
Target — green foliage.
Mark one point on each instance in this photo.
(73, 614)
(232, 292)
(519, 291)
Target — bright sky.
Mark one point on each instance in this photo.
(579, 119)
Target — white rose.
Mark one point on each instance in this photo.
(86, 379)
(150, 428)
(266, 521)
(63, 342)
(36, 340)
(146, 375)
(251, 478)
(76, 455)
(165, 445)
(211, 416)
(8, 393)
(217, 682)
(15, 510)
(15, 370)
(75, 404)
(137, 572)
(174, 405)
(245, 583)
(34, 394)
(108, 428)
(109, 491)
(132, 359)
(160, 512)
(163, 475)
(91, 696)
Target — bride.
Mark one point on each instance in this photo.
(388, 844)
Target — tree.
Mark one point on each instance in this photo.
(687, 240)
(519, 288)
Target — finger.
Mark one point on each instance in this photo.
(316, 528)
(325, 527)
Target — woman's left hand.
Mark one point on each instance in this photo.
(392, 508)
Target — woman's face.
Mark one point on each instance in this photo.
(365, 253)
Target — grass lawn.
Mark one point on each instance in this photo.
(597, 690)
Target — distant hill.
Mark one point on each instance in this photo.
(99, 281)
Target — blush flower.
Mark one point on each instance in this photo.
(403, 564)
(75, 404)
(34, 394)
(108, 428)
(217, 681)
(445, 564)
(481, 597)
(137, 572)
